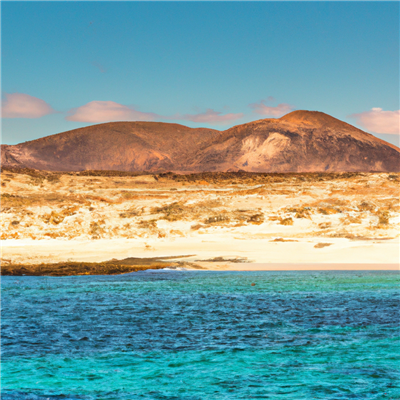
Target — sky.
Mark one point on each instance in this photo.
(66, 65)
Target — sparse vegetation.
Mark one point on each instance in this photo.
(130, 213)
(256, 219)
(53, 178)
(100, 201)
(383, 216)
(216, 219)
(322, 245)
(171, 212)
(148, 224)
(328, 210)
(77, 268)
(97, 229)
(56, 218)
(300, 212)
(286, 221)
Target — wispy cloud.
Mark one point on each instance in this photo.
(99, 67)
(20, 105)
(379, 121)
(107, 111)
(211, 116)
(269, 111)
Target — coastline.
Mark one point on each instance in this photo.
(299, 267)
(219, 253)
(251, 250)
(110, 269)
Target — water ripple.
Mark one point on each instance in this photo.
(202, 335)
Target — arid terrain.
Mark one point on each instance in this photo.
(215, 219)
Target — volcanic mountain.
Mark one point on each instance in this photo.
(301, 141)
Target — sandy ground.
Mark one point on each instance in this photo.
(260, 251)
(264, 222)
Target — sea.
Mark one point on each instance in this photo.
(189, 335)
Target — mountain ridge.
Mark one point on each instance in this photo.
(301, 141)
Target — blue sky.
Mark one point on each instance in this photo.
(216, 64)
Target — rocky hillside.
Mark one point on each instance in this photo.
(301, 141)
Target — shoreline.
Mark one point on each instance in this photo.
(277, 267)
(121, 267)
(207, 252)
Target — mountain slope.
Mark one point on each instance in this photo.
(299, 141)
(131, 146)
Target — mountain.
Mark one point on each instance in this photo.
(301, 141)
(123, 146)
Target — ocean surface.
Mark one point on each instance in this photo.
(202, 335)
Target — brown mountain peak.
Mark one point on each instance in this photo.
(316, 118)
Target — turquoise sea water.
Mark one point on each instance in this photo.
(202, 335)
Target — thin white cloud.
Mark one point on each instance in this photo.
(21, 105)
(107, 111)
(379, 121)
(211, 116)
(100, 67)
(268, 111)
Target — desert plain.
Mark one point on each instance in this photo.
(229, 221)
